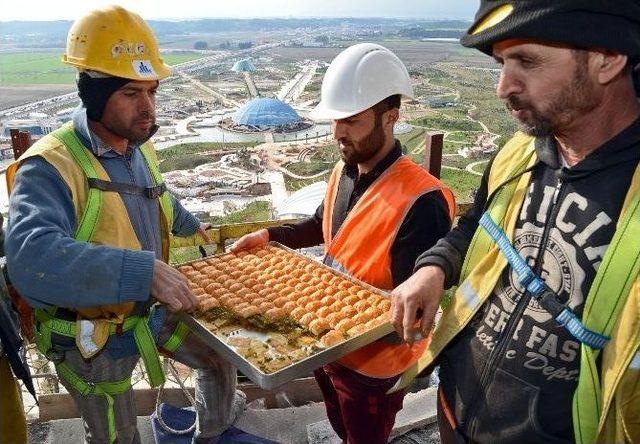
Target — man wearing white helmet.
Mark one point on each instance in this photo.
(379, 211)
(88, 240)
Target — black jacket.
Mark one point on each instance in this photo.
(510, 374)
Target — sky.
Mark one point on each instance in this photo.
(188, 9)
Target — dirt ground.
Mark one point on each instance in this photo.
(11, 96)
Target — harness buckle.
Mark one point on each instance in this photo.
(548, 300)
(155, 192)
(526, 278)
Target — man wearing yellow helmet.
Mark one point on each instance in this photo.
(541, 340)
(88, 240)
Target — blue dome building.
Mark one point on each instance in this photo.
(244, 65)
(264, 113)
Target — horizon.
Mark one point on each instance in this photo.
(40, 10)
(297, 17)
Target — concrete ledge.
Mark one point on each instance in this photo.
(294, 425)
(419, 410)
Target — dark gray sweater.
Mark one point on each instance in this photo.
(510, 374)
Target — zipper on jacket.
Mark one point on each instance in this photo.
(140, 307)
(508, 331)
(127, 161)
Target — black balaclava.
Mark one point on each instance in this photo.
(95, 92)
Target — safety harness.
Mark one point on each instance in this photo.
(539, 290)
(47, 323)
(616, 274)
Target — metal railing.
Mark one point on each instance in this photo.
(45, 379)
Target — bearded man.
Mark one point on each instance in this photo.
(540, 342)
(380, 209)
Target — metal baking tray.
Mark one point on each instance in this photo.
(303, 367)
(297, 369)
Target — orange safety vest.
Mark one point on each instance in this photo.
(362, 248)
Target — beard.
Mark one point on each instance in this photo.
(131, 131)
(356, 152)
(537, 124)
(568, 104)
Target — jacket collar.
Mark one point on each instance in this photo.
(623, 147)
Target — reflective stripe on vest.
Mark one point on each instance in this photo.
(611, 286)
(362, 248)
(81, 154)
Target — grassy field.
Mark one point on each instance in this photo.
(187, 156)
(309, 168)
(462, 184)
(412, 139)
(295, 184)
(414, 53)
(463, 136)
(199, 147)
(450, 121)
(184, 162)
(254, 212)
(476, 87)
(47, 68)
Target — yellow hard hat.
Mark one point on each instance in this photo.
(116, 42)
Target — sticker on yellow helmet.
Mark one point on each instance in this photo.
(493, 18)
(116, 42)
(143, 68)
(116, 50)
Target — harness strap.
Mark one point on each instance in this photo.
(68, 328)
(48, 324)
(176, 338)
(165, 198)
(105, 389)
(127, 188)
(537, 287)
(149, 352)
(91, 214)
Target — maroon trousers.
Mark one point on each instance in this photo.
(358, 407)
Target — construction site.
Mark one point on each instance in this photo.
(238, 149)
(320, 222)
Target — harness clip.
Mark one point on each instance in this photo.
(155, 192)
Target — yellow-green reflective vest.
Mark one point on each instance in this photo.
(102, 217)
(606, 405)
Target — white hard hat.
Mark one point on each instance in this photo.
(358, 78)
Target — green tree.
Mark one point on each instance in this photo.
(200, 44)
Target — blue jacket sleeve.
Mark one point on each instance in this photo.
(184, 223)
(48, 266)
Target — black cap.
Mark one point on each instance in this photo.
(608, 24)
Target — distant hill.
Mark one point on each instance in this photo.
(53, 34)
